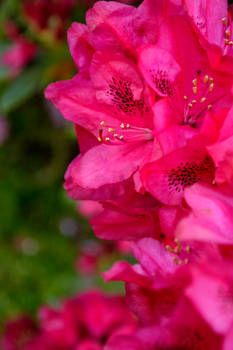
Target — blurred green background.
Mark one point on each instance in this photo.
(40, 229)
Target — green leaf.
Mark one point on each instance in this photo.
(19, 90)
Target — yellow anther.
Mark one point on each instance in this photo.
(190, 105)
(203, 99)
(186, 261)
(188, 248)
(209, 107)
(211, 87)
(121, 137)
(194, 89)
(99, 139)
(122, 126)
(111, 130)
(195, 82)
(230, 42)
(175, 260)
(176, 240)
(185, 97)
(102, 123)
(169, 248)
(194, 101)
(211, 80)
(226, 41)
(115, 135)
(206, 78)
(228, 34)
(107, 139)
(176, 249)
(224, 21)
(127, 126)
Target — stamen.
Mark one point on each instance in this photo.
(211, 87)
(227, 32)
(209, 107)
(185, 97)
(190, 105)
(122, 126)
(224, 21)
(111, 130)
(203, 99)
(107, 139)
(194, 89)
(169, 248)
(195, 82)
(206, 78)
(121, 137)
(102, 123)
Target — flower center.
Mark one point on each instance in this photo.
(123, 133)
(199, 101)
(122, 96)
(162, 82)
(188, 173)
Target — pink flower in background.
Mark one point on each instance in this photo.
(192, 334)
(20, 53)
(84, 322)
(18, 333)
(48, 15)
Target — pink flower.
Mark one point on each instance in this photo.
(82, 323)
(19, 55)
(117, 96)
(48, 15)
(167, 177)
(18, 333)
(130, 217)
(211, 216)
(21, 51)
(192, 334)
(211, 293)
(88, 209)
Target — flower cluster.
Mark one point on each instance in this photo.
(82, 323)
(152, 107)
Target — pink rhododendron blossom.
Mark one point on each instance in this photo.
(131, 216)
(21, 51)
(48, 15)
(19, 55)
(152, 109)
(211, 216)
(88, 209)
(193, 334)
(211, 292)
(18, 333)
(84, 322)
